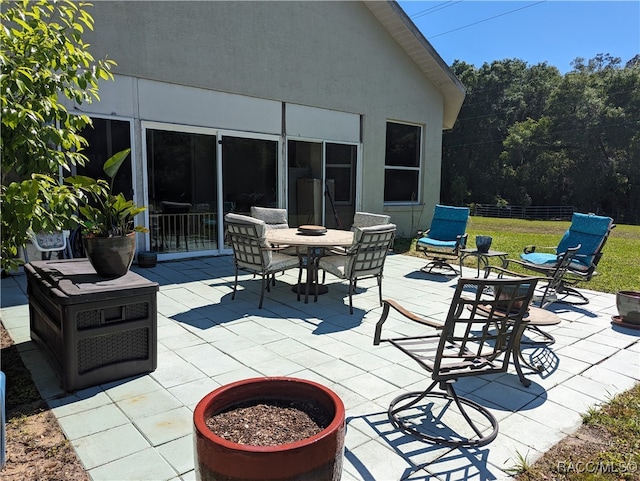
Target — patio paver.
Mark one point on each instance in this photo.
(140, 427)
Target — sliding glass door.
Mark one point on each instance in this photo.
(322, 183)
(196, 176)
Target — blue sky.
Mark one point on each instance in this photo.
(535, 31)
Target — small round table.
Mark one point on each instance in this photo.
(536, 319)
(482, 257)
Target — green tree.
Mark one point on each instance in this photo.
(43, 60)
(528, 135)
(499, 94)
(595, 112)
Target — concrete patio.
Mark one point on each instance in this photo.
(141, 428)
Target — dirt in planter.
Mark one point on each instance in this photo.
(269, 423)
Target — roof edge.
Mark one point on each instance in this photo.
(413, 42)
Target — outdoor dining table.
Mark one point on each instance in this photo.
(314, 239)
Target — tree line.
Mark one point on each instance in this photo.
(528, 135)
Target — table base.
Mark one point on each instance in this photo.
(322, 289)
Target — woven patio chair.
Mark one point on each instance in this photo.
(252, 253)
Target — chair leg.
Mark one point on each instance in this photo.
(351, 288)
(439, 264)
(449, 396)
(379, 277)
(235, 285)
(566, 291)
(264, 286)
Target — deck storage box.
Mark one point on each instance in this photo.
(95, 330)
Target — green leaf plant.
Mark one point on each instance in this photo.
(103, 213)
(44, 65)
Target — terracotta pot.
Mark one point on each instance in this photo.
(110, 256)
(316, 458)
(628, 304)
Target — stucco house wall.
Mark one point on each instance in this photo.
(331, 55)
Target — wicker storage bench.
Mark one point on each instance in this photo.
(94, 330)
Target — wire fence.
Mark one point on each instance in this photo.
(532, 212)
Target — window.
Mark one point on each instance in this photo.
(402, 163)
(106, 137)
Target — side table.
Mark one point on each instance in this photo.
(535, 320)
(481, 257)
(94, 330)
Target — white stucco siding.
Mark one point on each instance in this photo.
(163, 102)
(328, 55)
(333, 54)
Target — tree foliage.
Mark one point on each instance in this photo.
(527, 135)
(43, 59)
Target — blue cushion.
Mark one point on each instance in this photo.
(540, 258)
(426, 241)
(448, 222)
(586, 230)
(589, 231)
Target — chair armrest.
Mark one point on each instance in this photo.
(275, 248)
(527, 266)
(422, 233)
(502, 270)
(530, 249)
(461, 240)
(387, 304)
(336, 251)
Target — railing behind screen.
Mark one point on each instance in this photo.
(184, 232)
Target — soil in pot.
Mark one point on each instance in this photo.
(269, 422)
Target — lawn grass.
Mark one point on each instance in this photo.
(618, 270)
(606, 448)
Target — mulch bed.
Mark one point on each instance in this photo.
(36, 447)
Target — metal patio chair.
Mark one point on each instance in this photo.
(476, 339)
(48, 242)
(272, 217)
(368, 219)
(364, 259)
(445, 237)
(252, 253)
(587, 232)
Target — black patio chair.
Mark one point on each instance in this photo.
(476, 339)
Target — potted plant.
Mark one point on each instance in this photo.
(107, 221)
(218, 456)
(628, 304)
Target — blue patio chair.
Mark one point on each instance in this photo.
(444, 239)
(588, 233)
